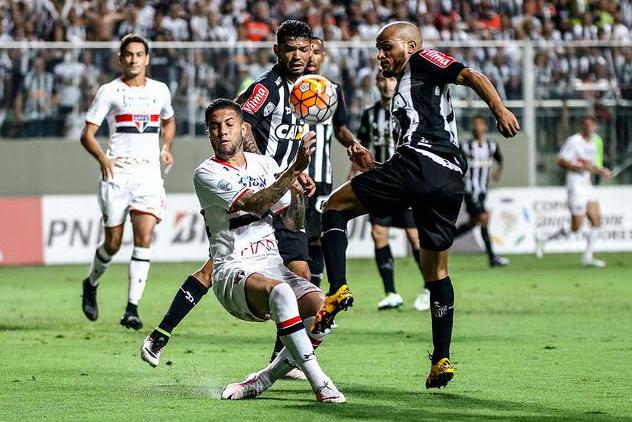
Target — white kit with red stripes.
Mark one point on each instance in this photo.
(133, 115)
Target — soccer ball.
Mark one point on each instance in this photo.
(313, 99)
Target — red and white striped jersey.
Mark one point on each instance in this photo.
(133, 115)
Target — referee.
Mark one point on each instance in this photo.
(378, 133)
(481, 153)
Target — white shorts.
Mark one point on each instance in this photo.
(229, 285)
(578, 198)
(139, 191)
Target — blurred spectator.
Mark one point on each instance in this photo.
(36, 103)
(175, 23)
(257, 27)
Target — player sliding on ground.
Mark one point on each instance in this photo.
(240, 193)
(425, 173)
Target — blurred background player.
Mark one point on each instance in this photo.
(320, 165)
(578, 157)
(138, 109)
(481, 153)
(377, 133)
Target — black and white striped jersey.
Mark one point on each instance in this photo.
(422, 103)
(480, 157)
(320, 165)
(378, 131)
(266, 107)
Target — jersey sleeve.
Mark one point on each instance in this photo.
(365, 129)
(568, 151)
(341, 115)
(436, 66)
(167, 112)
(212, 189)
(259, 100)
(100, 107)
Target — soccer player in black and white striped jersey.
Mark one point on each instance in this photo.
(320, 166)
(481, 153)
(378, 133)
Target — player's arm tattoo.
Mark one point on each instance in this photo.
(259, 202)
(250, 144)
(294, 217)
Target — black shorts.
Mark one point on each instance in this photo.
(431, 184)
(313, 213)
(402, 219)
(475, 204)
(292, 245)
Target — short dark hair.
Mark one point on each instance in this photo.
(221, 104)
(479, 117)
(130, 38)
(293, 29)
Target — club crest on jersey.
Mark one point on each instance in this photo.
(140, 121)
(437, 58)
(257, 99)
(269, 109)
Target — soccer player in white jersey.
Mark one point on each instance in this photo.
(239, 193)
(577, 156)
(137, 109)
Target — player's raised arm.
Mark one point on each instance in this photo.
(506, 122)
(259, 202)
(90, 143)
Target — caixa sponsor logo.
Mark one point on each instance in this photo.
(188, 227)
(289, 132)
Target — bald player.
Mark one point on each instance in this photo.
(425, 173)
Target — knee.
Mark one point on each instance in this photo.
(378, 235)
(112, 244)
(204, 277)
(482, 219)
(575, 225)
(143, 240)
(303, 273)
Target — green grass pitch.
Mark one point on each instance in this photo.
(540, 340)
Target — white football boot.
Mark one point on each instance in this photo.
(422, 302)
(329, 393)
(251, 387)
(391, 301)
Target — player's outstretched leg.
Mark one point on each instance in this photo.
(284, 311)
(188, 295)
(341, 207)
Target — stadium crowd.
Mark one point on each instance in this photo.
(43, 92)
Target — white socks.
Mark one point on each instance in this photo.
(100, 263)
(298, 345)
(284, 362)
(591, 239)
(138, 272)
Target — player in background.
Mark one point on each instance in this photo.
(578, 157)
(137, 109)
(378, 134)
(425, 173)
(481, 152)
(239, 193)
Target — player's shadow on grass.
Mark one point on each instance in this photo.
(431, 406)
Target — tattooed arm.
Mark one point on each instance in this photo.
(294, 217)
(259, 202)
(250, 144)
